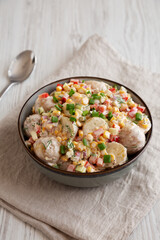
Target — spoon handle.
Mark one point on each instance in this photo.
(5, 89)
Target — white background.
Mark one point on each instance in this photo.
(55, 29)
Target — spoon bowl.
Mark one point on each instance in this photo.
(20, 69)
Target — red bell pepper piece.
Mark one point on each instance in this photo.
(43, 95)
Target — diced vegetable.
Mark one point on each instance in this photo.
(58, 107)
(55, 99)
(100, 162)
(101, 115)
(70, 106)
(91, 101)
(54, 119)
(93, 159)
(85, 142)
(113, 90)
(110, 115)
(61, 85)
(95, 113)
(72, 111)
(138, 116)
(107, 158)
(81, 169)
(88, 92)
(43, 95)
(141, 108)
(71, 92)
(101, 146)
(132, 112)
(85, 113)
(72, 119)
(75, 81)
(102, 94)
(71, 168)
(95, 96)
(62, 149)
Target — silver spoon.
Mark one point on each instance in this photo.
(20, 69)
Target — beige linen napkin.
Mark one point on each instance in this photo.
(110, 212)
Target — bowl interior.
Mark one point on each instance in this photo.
(27, 110)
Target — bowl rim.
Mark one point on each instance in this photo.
(108, 171)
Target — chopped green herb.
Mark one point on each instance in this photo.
(69, 130)
(88, 92)
(62, 149)
(136, 122)
(102, 116)
(91, 101)
(83, 81)
(55, 99)
(48, 143)
(85, 113)
(78, 106)
(54, 119)
(71, 92)
(70, 106)
(85, 142)
(95, 113)
(25, 128)
(72, 119)
(70, 144)
(138, 116)
(107, 158)
(72, 111)
(58, 107)
(95, 96)
(44, 145)
(102, 94)
(110, 115)
(101, 146)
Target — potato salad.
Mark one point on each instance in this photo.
(86, 126)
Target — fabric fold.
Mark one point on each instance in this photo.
(62, 212)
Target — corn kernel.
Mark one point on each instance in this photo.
(69, 100)
(90, 169)
(56, 113)
(58, 88)
(82, 162)
(81, 90)
(106, 134)
(59, 139)
(115, 109)
(64, 158)
(80, 133)
(112, 157)
(78, 113)
(80, 146)
(85, 100)
(79, 124)
(75, 163)
(76, 86)
(75, 143)
(121, 124)
(89, 137)
(56, 132)
(94, 144)
(66, 87)
(101, 138)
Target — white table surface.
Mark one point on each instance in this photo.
(55, 29)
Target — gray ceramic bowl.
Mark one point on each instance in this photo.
(72, 178)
